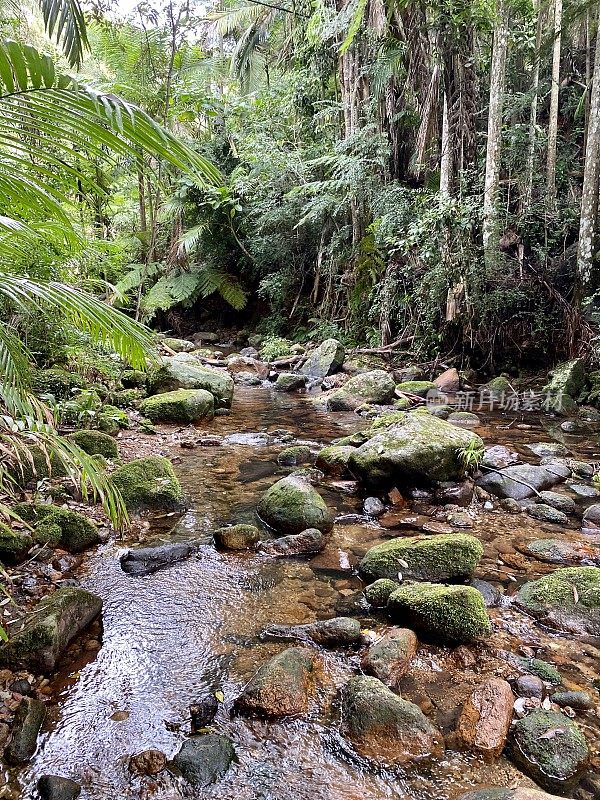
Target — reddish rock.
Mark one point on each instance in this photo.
(237, 364)
(149, 762)
(389, 658)
(448, 382)
(486, 716)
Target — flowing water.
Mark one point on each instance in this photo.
(194, 629)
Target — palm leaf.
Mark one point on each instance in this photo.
(64, 20)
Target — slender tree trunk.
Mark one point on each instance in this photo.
(591, 186)
(535, 85)
(494, 137)
(446, 155)
(553, 121)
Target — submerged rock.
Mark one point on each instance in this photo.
(560, 551)
(175, 373)
(294, 456)
(336, 632)
(385, 728)
(430, 558)
(334, 459)
(485, 719)
(282, 686)
(149, 762)
(419, 448)
(49, 629)
(546, 513)
(54, 787)
(550, 748)
(568, 599)
(237, 537)
(148, 482)
(326, 359)
(292, 505)
(145, 560)
(389, 657)
(523, 480)
(204, 759)
(26, 727)
(449, 613)
(183, 406)
(309, 541)
(376, 386)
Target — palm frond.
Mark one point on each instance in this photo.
(65, 21)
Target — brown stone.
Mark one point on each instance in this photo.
(149, 762)
(486, 716)
(389, 658)
(237, 364)
(282, 686)
(448, 382)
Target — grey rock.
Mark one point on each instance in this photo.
(578, 700)
(521, 480)
(336, 632)
(530, 686)
(499, 457)
(28, 720)
(558, 501)
(54, 787)
(305, 543)
(543, 449)
(325, 359)
(373, 507)
(546, 513)
(204, 759)
(145, 560)
(491, 595)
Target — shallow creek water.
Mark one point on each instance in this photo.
(194, 628)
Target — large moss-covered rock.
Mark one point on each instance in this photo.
(446, 557)
(182, 405)
(35, 463)
(202, 760)
(419, 448)
(292, 505)
(498, 389)
(174, 373)
(568, 599)
(550, 748)
(324, 360)
(449, 613)
(290, 382)
(376, 386)
(282, 686)
(389, 657)
(14, 545)
(237, 537)
(419, 388)
(378, 593)
(148, 483)
(567, 378)
(49, 629)
(334, 459)
(385, 728)
(59, 526)
(95, 443)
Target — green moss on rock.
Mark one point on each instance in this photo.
(14, 545)
(419, 388)
(536, 666)
(172, 374)
(449, 613)
(59, 526)
(568, 599)
(57, 382)
(444, 557)
(95, 443)
(378, 593)
(334, 459)
(550, 748)
(293, 456)
(183, 405)
(292, 505)
(148, 483)
(369, 387)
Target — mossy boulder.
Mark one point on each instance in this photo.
(237, 537)
(133, 379)
(542, 669)
(418, 388)
(376, 386)
(49, 629)
(498, 389)
(334, 459)
(148, 483)
(27, 723)
(292, 505)
(566, 378)
(550, 748)
(290, 382)
(384, 421)
(325, 359)
(173, 373)
(59, 526)
(57, 382)
(384, 728)
(178, 345)
(378, 593)
(293, 456)
(14, 545)
(35, 464)
(568, 599)
(282, 686)
(183, 405)
(95, 443)
(111, 419)
(420, 448)
(449, 613)
(446, 557)
(202, 760)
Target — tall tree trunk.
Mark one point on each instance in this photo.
(535, 85)
(446, 154)
(553, 121)
(587, 280)
(494, 136)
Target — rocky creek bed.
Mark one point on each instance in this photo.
(414, 691)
